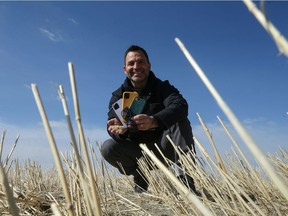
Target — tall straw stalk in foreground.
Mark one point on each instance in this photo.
(245, 136)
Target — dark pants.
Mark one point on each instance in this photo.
(128, 152)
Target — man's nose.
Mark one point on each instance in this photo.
(136, 65)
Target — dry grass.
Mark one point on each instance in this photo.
(234, 193)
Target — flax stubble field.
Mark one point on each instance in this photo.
(233, 189)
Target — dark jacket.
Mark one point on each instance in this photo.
(163, 101)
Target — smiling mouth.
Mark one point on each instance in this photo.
(137, 74)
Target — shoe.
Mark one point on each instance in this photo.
(141, 184)
(188, 181)
(208, 195)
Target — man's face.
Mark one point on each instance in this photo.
(137, 68)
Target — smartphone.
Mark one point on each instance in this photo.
(137, 106)
(117, 108)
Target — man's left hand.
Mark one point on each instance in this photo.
(145, 122)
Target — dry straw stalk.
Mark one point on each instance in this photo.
(14, 210)
(95, 197)
(236, 123)
(220, 162)
(53, 148)
(179, 186)
(87, 195)
(260, 184)
(278, 38)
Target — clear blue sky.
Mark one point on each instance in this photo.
(38, 39)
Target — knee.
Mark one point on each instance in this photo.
(106, 149)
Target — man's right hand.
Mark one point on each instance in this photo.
(115, 127)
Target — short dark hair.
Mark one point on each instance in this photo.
(135, 48)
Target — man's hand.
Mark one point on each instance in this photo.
(145, 122)
(115, 127)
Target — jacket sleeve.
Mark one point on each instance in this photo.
(175, 106)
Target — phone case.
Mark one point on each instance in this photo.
(137, 106)
(117, 107)
(128, 98)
